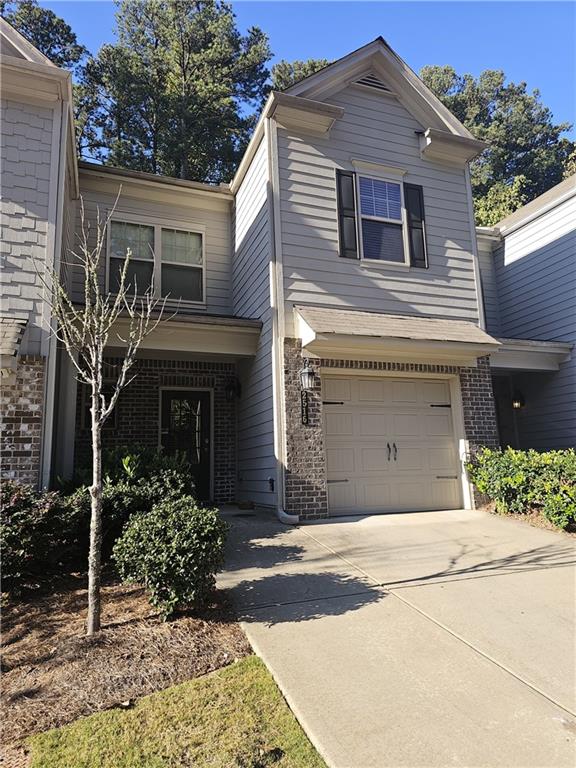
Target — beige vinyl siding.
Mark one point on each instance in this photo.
(536, 272)
(376, 129)
(26, 154)
(169, 208)
(489, 284)
(251, 298)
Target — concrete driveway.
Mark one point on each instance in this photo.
(423, 639)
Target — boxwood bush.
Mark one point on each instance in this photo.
(174, 551)
(521, 481)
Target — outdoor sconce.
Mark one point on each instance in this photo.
(232, 390)
(306, 386)
(518, 400)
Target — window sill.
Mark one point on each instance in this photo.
(377, 264)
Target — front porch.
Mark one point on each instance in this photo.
(183, 398)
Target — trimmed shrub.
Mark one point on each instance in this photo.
(38, 534)
(520, 481)
(174, 551)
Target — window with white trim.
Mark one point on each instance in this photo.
(381, 231)
(168, 260)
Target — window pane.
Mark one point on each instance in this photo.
(139, 238)
(182, 282)
(382, 241)
(138, 276)
(380, 198)
(181, 247)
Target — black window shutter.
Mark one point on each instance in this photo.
(414, 202)
(347, 215)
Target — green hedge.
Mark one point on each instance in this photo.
(174, 551)
(44, 534)
(520, 481)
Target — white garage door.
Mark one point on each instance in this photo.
(390, 445)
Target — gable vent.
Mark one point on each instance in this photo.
(371, 81)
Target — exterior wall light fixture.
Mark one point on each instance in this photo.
(518, 400)
(232, 390)
(307, 378)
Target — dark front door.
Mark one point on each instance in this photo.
(185, 428)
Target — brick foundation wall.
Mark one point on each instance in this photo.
(138, 414)
(306, 493)
(22, 414)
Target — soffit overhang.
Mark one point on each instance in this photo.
(356, 335)
(530, 355)
(234, 338)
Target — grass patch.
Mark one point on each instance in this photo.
(232, 718)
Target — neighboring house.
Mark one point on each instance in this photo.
(328, 354)
(38, 172)
(528, 270)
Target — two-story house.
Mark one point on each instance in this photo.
(329, 352)
(528, 277)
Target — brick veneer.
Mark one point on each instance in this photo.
(22, 413)
(306, 492)
(305, 477)
(138, 414)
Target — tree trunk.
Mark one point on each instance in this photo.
(95, 553)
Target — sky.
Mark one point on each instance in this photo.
(533, 42)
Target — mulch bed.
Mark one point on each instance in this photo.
(535, 518)
(53, 674)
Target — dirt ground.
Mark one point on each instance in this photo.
(53, 674)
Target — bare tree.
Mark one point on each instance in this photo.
(85, 331)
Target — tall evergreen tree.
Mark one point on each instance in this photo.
(286, 73)
(527, 153)
(50, 34)
(176, 93)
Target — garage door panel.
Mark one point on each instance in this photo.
(442, 459)
(339, 424)
(404, 392)
(373, 390)
(373, 459)
(439, 424)
(375, 424)
(338, 389)
(340, 460)
(374, 496)
(437, 392)
(342, 496)
(445, 494)
(406, 425)
(410, 459)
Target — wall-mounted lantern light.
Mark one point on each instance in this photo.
(306, 386)
(518, 400)
(307, 377)
(232, 389)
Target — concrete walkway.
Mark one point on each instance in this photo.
(425, 639)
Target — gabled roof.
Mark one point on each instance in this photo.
(12, 43)
(379, 60)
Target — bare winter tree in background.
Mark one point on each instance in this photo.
(85, 331)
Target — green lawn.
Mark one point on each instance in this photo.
(233, 718)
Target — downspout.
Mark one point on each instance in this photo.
(477, 276)
(278, 325)
(52, 255)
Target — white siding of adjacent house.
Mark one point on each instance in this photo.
(376, 129)
(251, 298)
(26, 154)
(536, 272)
(489, 284)
(159, 205)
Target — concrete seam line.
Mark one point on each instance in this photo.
(446, 629)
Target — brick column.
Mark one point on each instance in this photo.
(22, 414)
(480, 422)
(305, 476)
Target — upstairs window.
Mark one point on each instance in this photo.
(139, 238)
(381, 220)
(167, 260)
